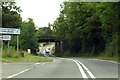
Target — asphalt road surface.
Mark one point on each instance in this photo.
(72, 68)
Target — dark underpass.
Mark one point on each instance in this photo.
(58, 43)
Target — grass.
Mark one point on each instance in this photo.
(13, 56)
(101, 56)
(107, 58)
(27, 58)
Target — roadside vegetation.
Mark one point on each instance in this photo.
(28, 57)
(89, 29)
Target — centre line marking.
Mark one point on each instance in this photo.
(90, 73)
(81, 69)
(18, 73)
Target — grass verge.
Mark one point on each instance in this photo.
(102, 57)
(108, 58)
(27, 58)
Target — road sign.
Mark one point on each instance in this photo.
(5, 37)
(9, 31)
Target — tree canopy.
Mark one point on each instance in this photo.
(87, 27)
(11, 18)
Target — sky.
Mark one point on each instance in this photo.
(41, 11)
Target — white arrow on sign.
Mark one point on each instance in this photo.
(9, 31)
(5, 37)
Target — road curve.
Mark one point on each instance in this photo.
(64, 68)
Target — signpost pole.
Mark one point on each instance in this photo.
(8, 49)
(1, 47)
(17, 44)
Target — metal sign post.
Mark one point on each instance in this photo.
(17, 44)
(8, 49)
(1, 47)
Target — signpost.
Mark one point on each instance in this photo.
(5, 38)
(10, 31)
(1, 46)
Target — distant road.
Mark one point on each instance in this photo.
(76, 68)
(43, 53)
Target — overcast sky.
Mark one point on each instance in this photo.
(42, 11)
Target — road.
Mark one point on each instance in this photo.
(62, 69)
(42, 51)
(74, 68)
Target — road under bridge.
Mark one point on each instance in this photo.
(58, 43)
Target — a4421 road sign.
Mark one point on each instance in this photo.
(9, 31)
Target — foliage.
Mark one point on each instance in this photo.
(11, 15)
(12, 52)
(87, 28)
(44, 31)
(28, 39)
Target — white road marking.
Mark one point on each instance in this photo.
(109, 61)
(37, 63)
(42, 63)
(53, 60)
(18, 73)
(81, 70)
(106, 61)
(90, 73)
(23, 71)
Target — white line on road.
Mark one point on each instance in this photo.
(109, 61)
(90, 73)
(42, 63)
(106, 61)
(37, 63)
(53, 60)
(81, 70)
(18, 73)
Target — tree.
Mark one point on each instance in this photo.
(28, 39)
(45, 31)
(87, 27)
(11, 17)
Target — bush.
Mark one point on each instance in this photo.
(12, 52)
(111, 49)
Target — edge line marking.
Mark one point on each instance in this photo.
(18, 73)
